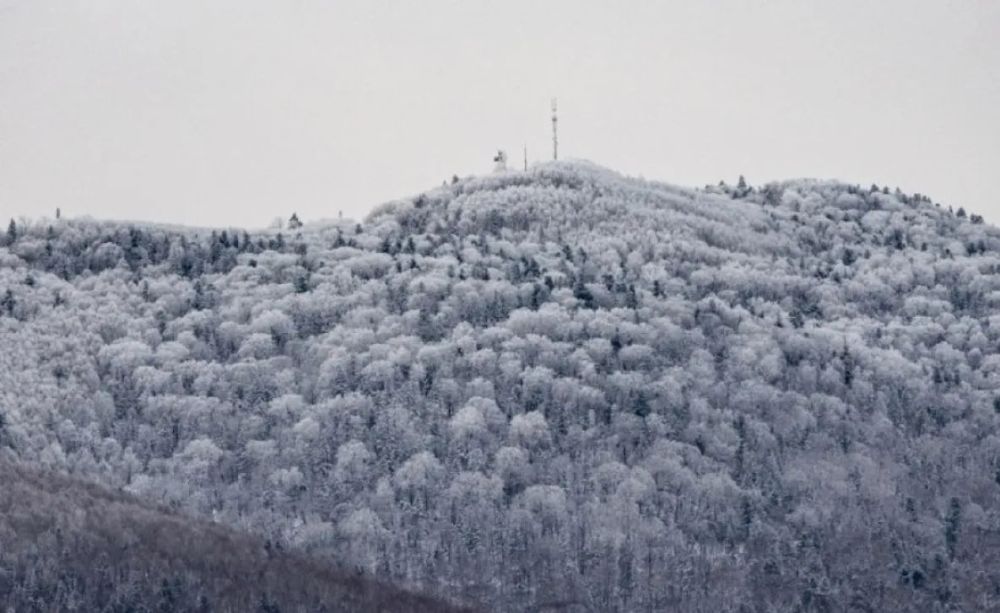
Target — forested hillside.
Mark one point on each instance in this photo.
(67, 545)
(557, 388)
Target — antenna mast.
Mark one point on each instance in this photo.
(555, 134)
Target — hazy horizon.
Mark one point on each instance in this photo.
(234, 113)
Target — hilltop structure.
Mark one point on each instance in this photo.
(555, 133)
(500, 161)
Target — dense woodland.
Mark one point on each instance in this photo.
(560, 388)
(69, 546)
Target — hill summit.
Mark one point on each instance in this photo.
(554, 388)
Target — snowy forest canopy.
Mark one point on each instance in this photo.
(562, 387)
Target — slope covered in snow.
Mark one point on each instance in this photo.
(559, 387)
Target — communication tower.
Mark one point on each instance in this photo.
(555, 132)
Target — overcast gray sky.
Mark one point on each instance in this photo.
(233, 112)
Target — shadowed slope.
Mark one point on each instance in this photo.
(69, 545)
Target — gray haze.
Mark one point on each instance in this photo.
(234, 112)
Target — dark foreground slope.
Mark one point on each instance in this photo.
(556, 386)
(68, 545)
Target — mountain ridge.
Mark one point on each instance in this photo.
(560, 385)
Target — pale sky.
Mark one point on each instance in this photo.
(233, 112)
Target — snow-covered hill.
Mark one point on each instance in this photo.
(560, 387)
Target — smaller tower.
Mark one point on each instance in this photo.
(555, 132)
(500, 161)
(525, 158)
